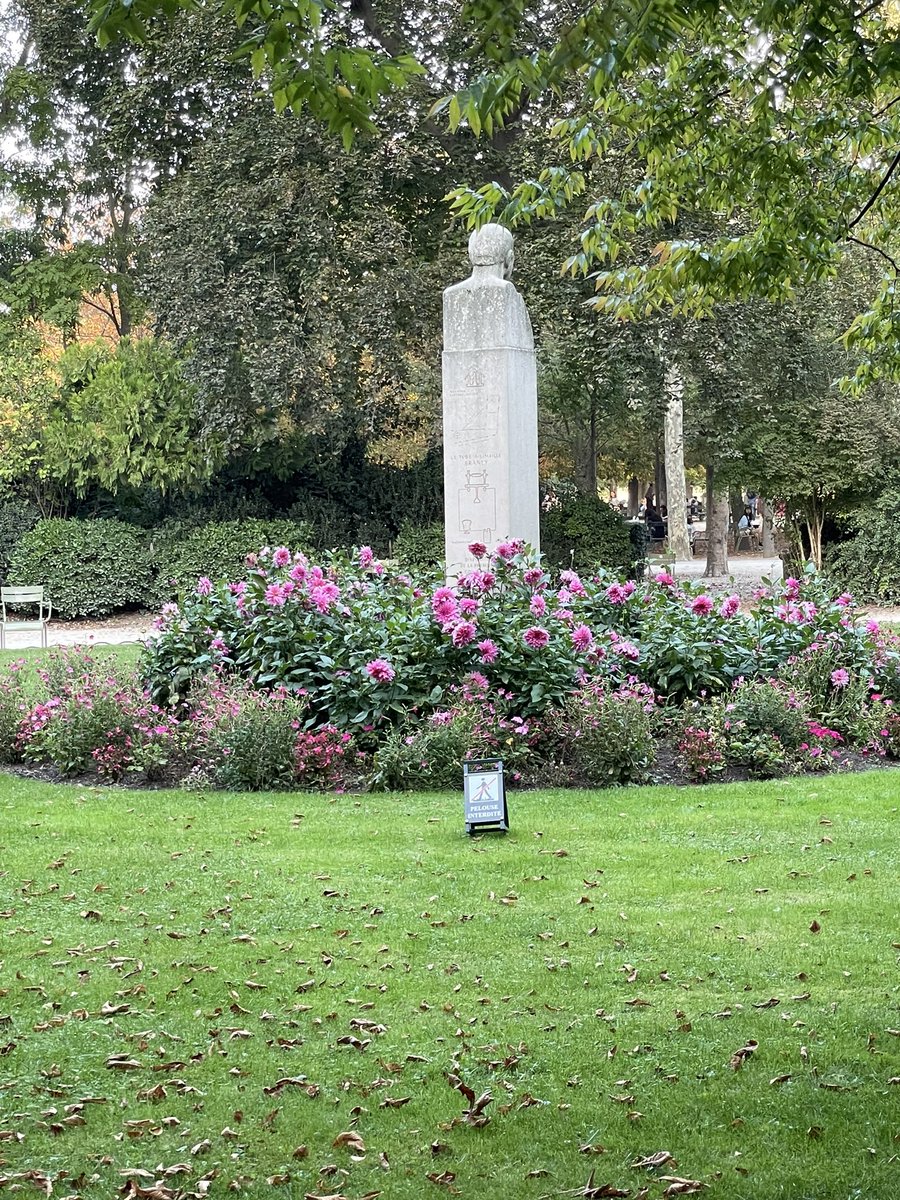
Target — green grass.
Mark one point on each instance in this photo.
(243, 935)
(120, 656)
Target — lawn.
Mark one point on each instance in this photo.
(268, 994)
(123, 655)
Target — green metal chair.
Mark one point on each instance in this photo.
(19, 597)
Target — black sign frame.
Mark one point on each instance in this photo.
(484, 796)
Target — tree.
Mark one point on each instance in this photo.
(775, 118)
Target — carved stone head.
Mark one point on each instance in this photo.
(492, 246)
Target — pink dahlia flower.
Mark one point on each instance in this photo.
(380, 670)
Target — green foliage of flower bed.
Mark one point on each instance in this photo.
(88, 568)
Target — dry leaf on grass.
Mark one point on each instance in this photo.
(740, 1056)
(653, 1161)
(351, 1140)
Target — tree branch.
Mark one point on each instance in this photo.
(389, 42)
(895, 162)
(877, 250)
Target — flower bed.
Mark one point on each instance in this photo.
(346, 674)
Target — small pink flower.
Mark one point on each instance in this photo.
(572, 582)
(701, 605)
(538, 605)
(204, 585)
(445, 611)
(840, 678)
(275, 595)
(664, 579)
(844, 600)
(533, 576)
(464, 633)
(281, 557)
(506, 550)
(582, 638)
(628, 650)
(488, 650)
(478, 549)
(536, 638)
(791, 588)
(469, 606)
(872, 627)
(380, 670)
(730, 606)
(366, 556)
(616, 593)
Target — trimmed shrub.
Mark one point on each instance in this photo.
(218, 550)
(584, 533)
(16, 518)
(868, 562)
(88, 568)
(420, 547)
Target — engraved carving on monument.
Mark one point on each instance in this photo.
(477, 506)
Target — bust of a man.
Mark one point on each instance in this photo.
(485, 310)
(491, 252)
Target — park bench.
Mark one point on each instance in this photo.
(17, 598)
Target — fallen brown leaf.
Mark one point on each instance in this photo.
(740, 1056)
(653, 1161)
(351, 1140)
(599, 1191)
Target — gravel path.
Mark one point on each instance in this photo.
(127, 627)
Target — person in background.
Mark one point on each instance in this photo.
(655, 523)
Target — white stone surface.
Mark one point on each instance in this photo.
(490, 407)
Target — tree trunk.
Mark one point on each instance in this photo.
(634, 497)
(676, 485)
(659, 476)
(585, 455)
(765, 509)
(716, 527)
(815, 519)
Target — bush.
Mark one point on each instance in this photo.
(868, 562)
(250, 741)
(585, 533)
(88, 568)
(91, 719)
(607, 736)
(182, 552)
(763, 725)
(474, 724)
(420, 548)
(17, 517)
(699, 753)
(12, 710)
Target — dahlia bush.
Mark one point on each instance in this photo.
(321, 675)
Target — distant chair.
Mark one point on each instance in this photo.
(20, 597)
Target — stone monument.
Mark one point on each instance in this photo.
(490, 407)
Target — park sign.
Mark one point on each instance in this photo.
(485, 795)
